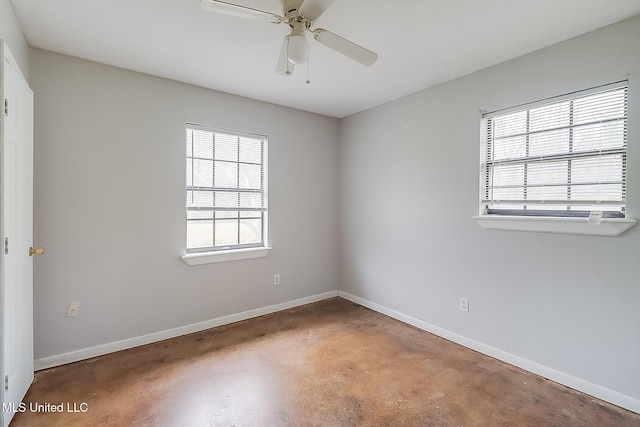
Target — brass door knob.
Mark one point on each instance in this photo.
(36, 251)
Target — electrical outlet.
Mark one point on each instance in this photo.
(72, 311)
(464, 304)
(276, 279)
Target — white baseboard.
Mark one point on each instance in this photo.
(587, 387)
(99, 350)
(575, 383)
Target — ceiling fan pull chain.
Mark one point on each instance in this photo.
(308, 70)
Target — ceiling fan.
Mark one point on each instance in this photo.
(300, 15)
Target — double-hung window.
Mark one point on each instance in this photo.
(226, 190)
(563, 157)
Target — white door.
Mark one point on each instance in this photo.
(16, 228)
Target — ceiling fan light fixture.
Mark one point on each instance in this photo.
(297, 49)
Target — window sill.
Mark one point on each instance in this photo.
(224, 256)
(608, 227)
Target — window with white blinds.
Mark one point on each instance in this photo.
(226, 198)
(565, 156)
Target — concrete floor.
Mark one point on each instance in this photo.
(331, 363)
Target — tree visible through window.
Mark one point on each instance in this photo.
(563, 157)
(226, 205)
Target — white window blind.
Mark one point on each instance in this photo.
(565, 156)
(226, 201)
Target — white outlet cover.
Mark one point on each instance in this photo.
(72, 311)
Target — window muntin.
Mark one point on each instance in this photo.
(562, 157)
(226, 202)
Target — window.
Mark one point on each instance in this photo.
(562, 157)
(226, 183)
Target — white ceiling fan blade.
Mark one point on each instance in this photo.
(284, 67)
(312, 9)
(345, 47)
(240, 11)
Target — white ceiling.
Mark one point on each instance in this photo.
(420, 42)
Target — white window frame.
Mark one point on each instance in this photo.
(214, 254)
(593, 223)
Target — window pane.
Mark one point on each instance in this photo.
(226, 214)
(199, 199)
(508, 175)
(250, 231)
(548, 173)
(226, 147)
(226, 175)
(511, 124)
(548, 143)
(226, 232)
(598, 107)
(199, 215)
(600, 136)
(199, 234)
(202, 173)
(202, 144)
(515, 193)
(597, 169)
(597, 192)
(250, 176)
(251, 200)
(225, 199)
(250, 150)
(554, 192)
(514, 147)
(251, 214)
(549, 116)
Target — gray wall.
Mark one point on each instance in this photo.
(11, 32)
(409, 187)
(109, 205)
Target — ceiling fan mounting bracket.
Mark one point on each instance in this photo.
(292, 14)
